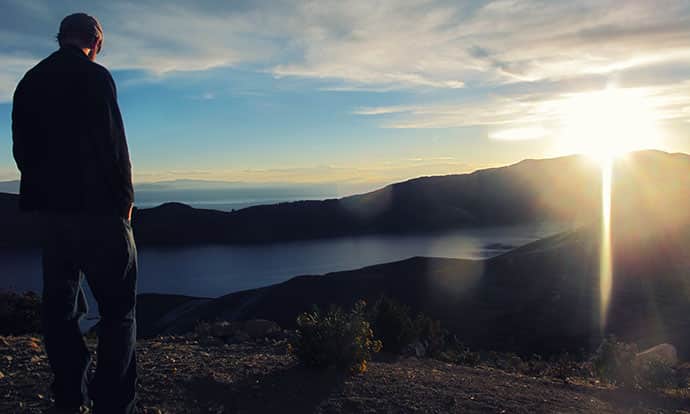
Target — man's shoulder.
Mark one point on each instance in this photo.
(100, 70)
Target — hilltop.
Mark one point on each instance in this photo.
(186, 374)
(565, 189)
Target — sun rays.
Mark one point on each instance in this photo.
(605, 125)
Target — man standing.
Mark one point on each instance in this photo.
(70, 147)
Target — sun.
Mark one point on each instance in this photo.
(608, 123)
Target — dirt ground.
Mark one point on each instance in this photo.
(189, 375)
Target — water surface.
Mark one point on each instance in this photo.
(215, 270)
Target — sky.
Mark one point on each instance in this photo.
(360, 91)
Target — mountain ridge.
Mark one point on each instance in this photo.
(565, 189)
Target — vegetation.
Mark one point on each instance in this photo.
(393, 323)
(19, 313)
(336, 338)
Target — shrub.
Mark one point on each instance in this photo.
(397, 329)
(429, 331)
(393, 325)
(613, 362)
(335, 338)
(457, 353)
(536, 366)
(564, 367)
(19, 313)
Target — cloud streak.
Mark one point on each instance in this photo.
(463, 63)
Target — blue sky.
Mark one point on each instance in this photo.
(359, 91)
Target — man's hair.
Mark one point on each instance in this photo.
(80, 28)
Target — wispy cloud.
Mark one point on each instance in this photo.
(381, 110)
(401, 43)
(462, 63)
(377, 173)
(524, 116)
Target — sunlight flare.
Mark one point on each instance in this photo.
(605, 259)
(604, 125)
(609, 123)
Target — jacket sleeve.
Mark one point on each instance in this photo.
(112, 144)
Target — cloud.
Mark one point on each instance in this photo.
(379, 173)
(519, 116)
(382, 110)
(501, 64)
(360, 44)
(519, 134)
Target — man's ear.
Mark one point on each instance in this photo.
(95, 48)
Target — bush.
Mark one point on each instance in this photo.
(457, 353)
(394, 325)
(335, 338)
(613, 362)
(565, 367)
(19, 313)
(429, 331)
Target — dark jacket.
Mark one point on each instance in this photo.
(69, 139)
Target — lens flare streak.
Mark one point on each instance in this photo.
(605, 259)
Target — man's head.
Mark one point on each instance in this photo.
(82, 31)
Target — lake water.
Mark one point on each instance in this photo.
(215, 270)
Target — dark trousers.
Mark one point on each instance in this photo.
(102, 249)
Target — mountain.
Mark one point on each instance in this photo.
(566, 189)
(650, 184)
(541, 298)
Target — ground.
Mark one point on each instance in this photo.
(192, 375)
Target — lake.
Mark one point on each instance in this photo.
(219, 269)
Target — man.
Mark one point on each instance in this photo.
(71, 150)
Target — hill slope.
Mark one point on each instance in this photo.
(540, 298)
(185, 375)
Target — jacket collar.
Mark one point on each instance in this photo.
(73, 50)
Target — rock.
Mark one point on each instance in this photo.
(2, 375)
(210, 341)
(223, 329)
(665, 353)
(260, 328)
(239, 337)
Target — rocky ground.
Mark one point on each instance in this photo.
(189, 374)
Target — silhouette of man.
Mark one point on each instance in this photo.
(70, 147)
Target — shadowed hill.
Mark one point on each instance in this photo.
(541, 298)
(565, 189)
